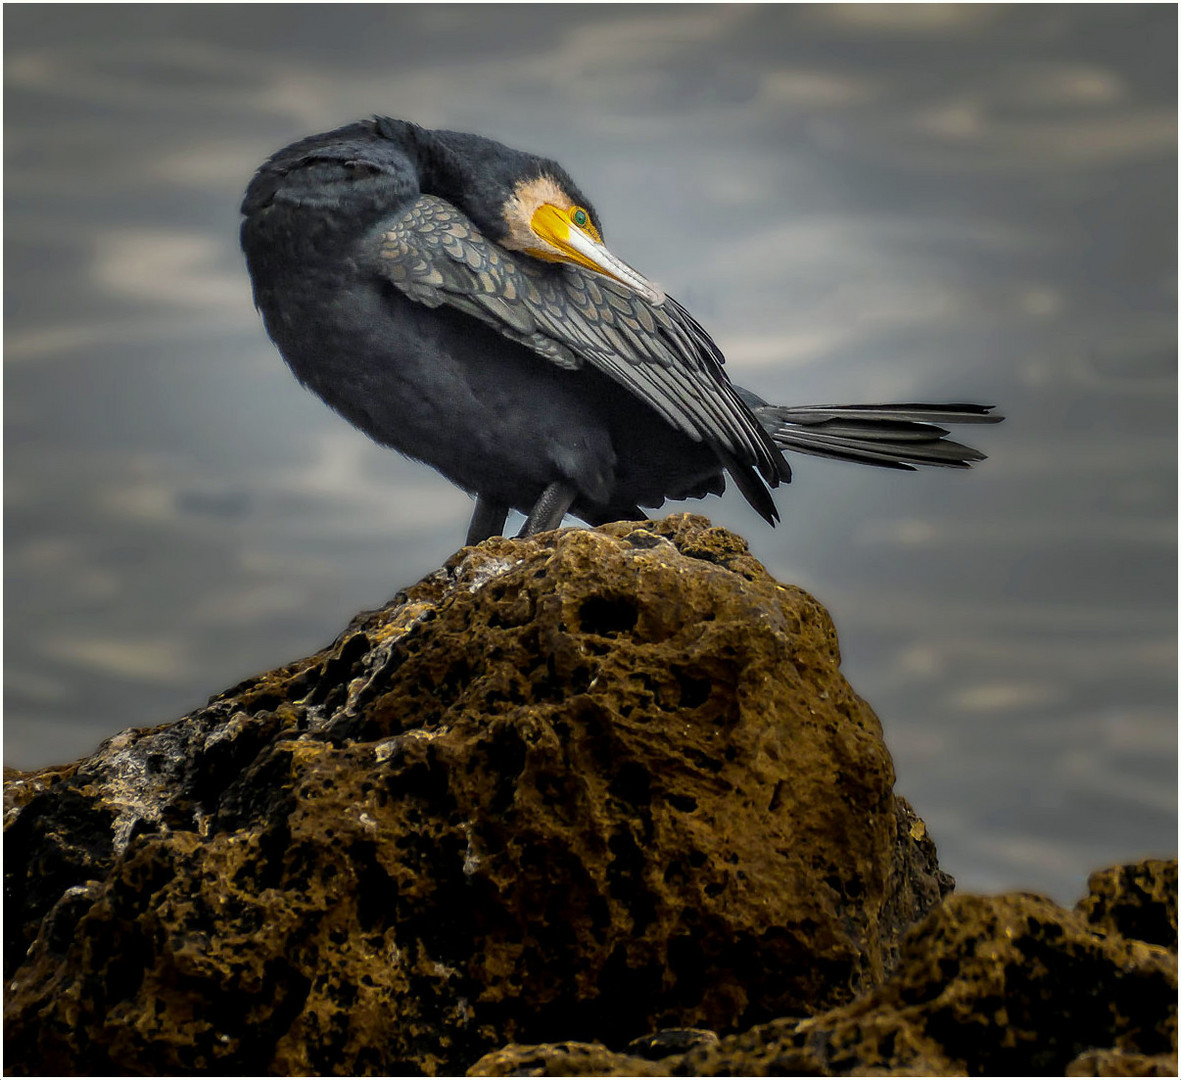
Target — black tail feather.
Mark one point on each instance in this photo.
(900, 436)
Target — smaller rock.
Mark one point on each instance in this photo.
(1004, 986)
(1138, 900)
(996, 986)
(1118, 1063)
(662, 1044)
(563, 1059)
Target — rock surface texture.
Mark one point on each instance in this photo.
(998, 986)
(588, 785)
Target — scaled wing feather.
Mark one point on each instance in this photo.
(435, 255)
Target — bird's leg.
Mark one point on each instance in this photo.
(548, 511)
(487, 520)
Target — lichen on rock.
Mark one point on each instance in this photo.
(588, 785)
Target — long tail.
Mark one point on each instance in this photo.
(900, 436)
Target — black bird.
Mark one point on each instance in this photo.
(453, 299)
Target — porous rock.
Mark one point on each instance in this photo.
(1138, 900)
(986, 986)
(586, 785)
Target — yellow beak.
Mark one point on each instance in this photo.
(578, 246)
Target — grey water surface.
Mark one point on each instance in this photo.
(860, 202)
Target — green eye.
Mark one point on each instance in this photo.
(579, 217)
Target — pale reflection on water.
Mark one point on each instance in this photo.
(861, 202)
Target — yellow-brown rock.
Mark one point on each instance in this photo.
(583, 786)
(1138, 900)
(986, 986)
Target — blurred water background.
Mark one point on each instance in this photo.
(860, 202)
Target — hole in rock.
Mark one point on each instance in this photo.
(632, 784)
(694, 690)
(607, 615)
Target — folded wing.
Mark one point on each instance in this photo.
(571, 317)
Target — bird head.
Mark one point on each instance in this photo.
(525, 203)
(545, 221)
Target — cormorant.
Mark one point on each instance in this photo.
(453, 298)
